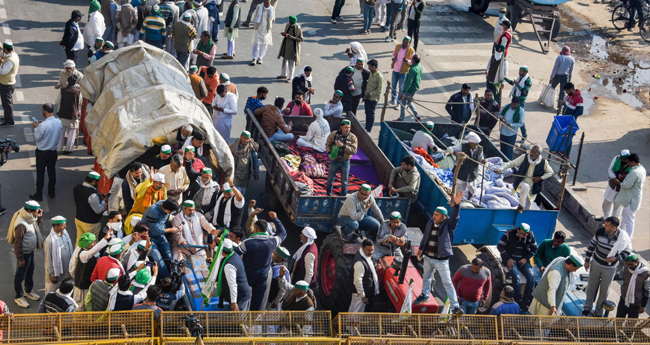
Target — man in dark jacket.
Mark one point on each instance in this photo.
(345, 84)
(72, 40)
(517, 246)
(69, 113)
(256, 252)
(233, 286)
(489, 118)
(635, 290)
(413, 23)
(435, 250)
(461, 113)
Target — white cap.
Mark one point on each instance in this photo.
(309, 232)
(226, 187)
(114, 241)
(69, 63)
(227, 244)
(473, 138)
(135, 220)
(159, 177)
(33, 204)
(225, 76)
(625, 153)
(113, 273)
(166, 148)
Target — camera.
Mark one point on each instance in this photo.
(7, 146)
(193, 325)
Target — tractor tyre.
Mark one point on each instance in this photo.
(334, 275)
(272, 200)
(556, 27)
(513, 14)
(498, 282)
(479, 6)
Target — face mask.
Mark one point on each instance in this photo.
(187, 217)
(501, 15)
(115, 226)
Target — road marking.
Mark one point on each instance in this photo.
(451, 29)
(3, 13)
(485, 53)
(18, 82)
(432, 41)
(19, 96)
(5, 29)
(29, 137)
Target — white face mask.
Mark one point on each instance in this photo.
(187, 217)
(115, 226)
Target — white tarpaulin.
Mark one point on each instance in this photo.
(143, 100)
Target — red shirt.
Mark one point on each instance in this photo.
(104, 264)
(507, 34)
(303, 110)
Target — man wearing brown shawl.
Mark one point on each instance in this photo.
(290, 48)
(244, 150)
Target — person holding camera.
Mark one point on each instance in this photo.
(47, 134)
(90, 205)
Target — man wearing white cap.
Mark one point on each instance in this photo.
(391, 237)
(616, 172)
(149, 192)
(423, 139)
(94, 48)
(354, 216)
(536, 169)
(26, 238)
(631, 193)
(164, 157)
(517, 247)
(58, 252)
(99, 293)
(244, 150)
(69, 69)
(299, 297)
(468, 171)
(304, 267)
(228, 207)
(232, 285)
(9, 63)
(82, 264)
(207, 193)
(192, 225)
(89, 205)
(176, 179)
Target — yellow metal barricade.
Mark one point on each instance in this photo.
(255, 341)
(417, 341)
(145, 341)
(565, 329)
(76, 327)
(250, 324)
(430, 326)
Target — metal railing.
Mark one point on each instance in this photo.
(76, 327)
(417, 341)
(250, 324)
(429, 326)
(573, 329)
(255, 341)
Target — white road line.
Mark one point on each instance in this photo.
(485, 53)
(451, 29)
(3, 13)
(19, 96)
(29, 137)
(5, 29)
(18, 82)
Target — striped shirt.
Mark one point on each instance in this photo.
(432, 246)
(154, 28)
(253, 103)
(600, 246)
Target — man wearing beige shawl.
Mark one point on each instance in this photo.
(244, 150)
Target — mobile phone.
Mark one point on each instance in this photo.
(34, 119)
(150, 263)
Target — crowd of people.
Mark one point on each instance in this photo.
(176, 206)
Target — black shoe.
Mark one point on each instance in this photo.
(421, 299)
(36, 197)
(3, 211)
(618, 277)
(586, 312)
(599, 219)
(51, 195)
(7, 124)
(67, 152)
(457, 311)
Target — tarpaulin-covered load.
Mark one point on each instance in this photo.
(141, 93)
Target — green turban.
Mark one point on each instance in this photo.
(293, 20)
(143, 276)
(86, 239)
(94, 6)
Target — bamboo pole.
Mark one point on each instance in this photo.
(383, 109)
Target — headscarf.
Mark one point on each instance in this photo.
(302, 73)
(631, 288)
(357, 49)
(94, 6)
(240, 152)
(318, 112)
(293, 20)
(473, 138)
(311, 236)
(566, 51)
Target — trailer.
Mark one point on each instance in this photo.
(482, 227)
(542, 14)
(319, 212)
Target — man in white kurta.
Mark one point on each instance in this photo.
(317, 133)
(361, 297)
(225, 104)
(58, 251)
(176, 179)
(525, 189)
(192, 224)
(264, 17)
(617, 167)
(631, 193)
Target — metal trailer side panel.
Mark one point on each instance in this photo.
(478, 226)
(319, 212)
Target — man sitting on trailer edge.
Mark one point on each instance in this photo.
(411, 176)
(354, 216)
(436, 249)
(517, 246)
(549, 293)
(391, 237)
(536, 169)
(468, 171)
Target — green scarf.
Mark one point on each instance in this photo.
(617, 165)
(205, 47)
(516, 117)
(220, 281)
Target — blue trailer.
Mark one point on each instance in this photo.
(319, 212)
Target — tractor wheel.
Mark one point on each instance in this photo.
(498, 282)
(513, 14)
(479, 6)
(271, 199)
(556, 27)
(334, 275)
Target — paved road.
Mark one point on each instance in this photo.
(455, 49)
